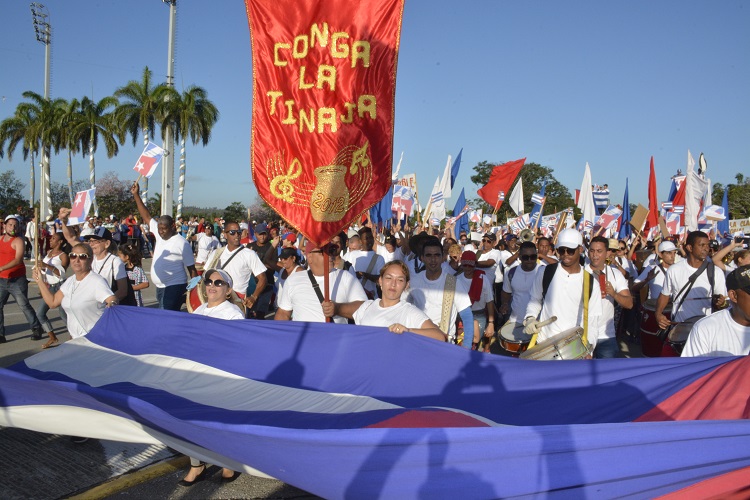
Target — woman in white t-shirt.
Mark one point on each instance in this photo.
(399, 316)
(218, 286)
(53, 267)
(83, 296)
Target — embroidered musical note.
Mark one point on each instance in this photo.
(281, 187)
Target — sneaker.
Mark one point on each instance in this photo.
(36, 334)
(2, 339)
(78, 440)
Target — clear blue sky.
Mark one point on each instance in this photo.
(561, 83)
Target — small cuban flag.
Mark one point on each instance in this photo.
(678, 209)
(667, 205)
(81, 207)
(149, 160)
(501, 196)
(538, 199)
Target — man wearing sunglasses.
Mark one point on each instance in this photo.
(241, 264)
(518, 282)
(563, 296)
(173, 261)
(488, 257)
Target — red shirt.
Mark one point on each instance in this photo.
(7, 254)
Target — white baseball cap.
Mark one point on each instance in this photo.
(569, 238)
(667, 246)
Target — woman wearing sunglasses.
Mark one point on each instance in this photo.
(83, 296)
(218, 285)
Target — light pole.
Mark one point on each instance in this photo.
(167, 174)
(43, 30)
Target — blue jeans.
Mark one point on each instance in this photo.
(171, 297)
(19, 288)
(607, 348)
(41, 311)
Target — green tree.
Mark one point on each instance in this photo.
(69, 141)
(45, 128)
(533, 175)
(191, 115)
(738, 197)
(18, 129)
(140, 108)
(235, 212)
(261, 211)
(10, 193)
(96, 121)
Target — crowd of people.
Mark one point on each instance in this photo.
(475, 289)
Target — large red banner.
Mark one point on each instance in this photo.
(324, 83)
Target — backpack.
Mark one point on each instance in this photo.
(549, 273)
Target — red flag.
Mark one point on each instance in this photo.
(653, 201)
(324, 76)
(679, 201)
(501, 179)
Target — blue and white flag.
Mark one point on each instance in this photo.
(538, 199)
(338, 411)
(601, 197)
(678, 209)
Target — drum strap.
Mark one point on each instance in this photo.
(449, 291)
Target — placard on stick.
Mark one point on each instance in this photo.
(639, 218)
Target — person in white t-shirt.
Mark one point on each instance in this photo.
(518, 282)
(207, 243)
(564, 298)
(479, 285)
(299, 301)
(366, 262)
(218, 286)
(389, 250)
(727, 332)
(488, 258)
(83, 296)
(655, 274)
(427, 292)
(173, 262)
(390, 311)
(613, 288)
(702, 296)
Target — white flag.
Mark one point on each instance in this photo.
(445, 183)
(516, 198)
(586, 197)
(695, 190)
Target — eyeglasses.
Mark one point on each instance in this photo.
(232, 232)
(528, 257)
(485, 240)
(76, 256)
(216, 283)
(566, 250)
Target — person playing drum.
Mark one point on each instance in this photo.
(707, 291)
(727, 332)
(563, 296)
(480, 286)
(390, 311)
(517, 283)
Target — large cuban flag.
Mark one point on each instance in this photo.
(358, 412)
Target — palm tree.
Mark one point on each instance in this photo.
(95, 121)
(142, 107)
(68, 139)
(45, 130)
(18, 130)
(191, 115)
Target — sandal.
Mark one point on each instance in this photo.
(51, 343)
(200, 477)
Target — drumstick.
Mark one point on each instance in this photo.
(546, 321)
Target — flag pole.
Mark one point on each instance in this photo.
(326, 270)
(497, 205)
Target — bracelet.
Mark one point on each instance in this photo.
(253, 297)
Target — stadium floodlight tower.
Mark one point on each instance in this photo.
(43, 30)
(167, 173)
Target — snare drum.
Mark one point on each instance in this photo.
(678, 336)
(651, 346)
(513, 339)
(565, 345)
